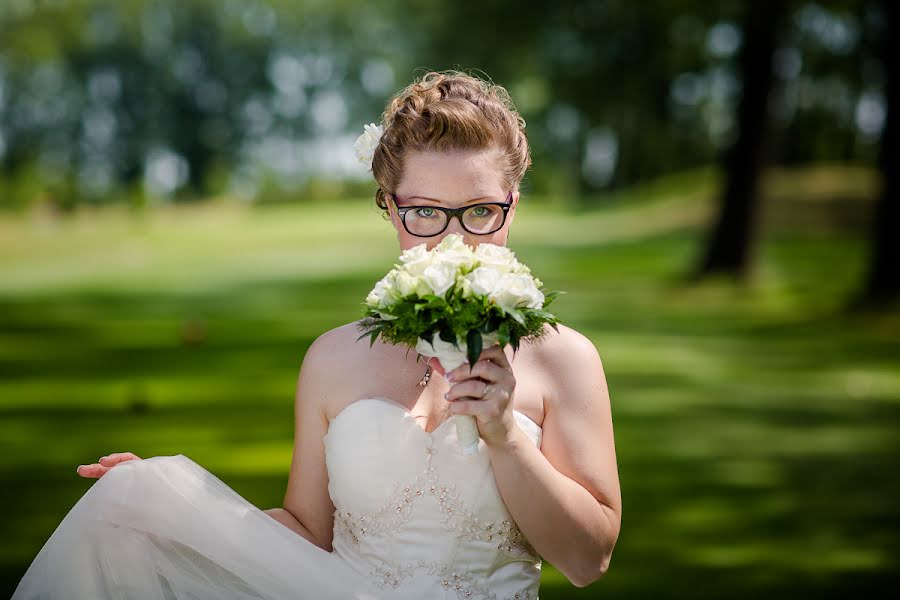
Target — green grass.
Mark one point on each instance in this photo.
(756, 428)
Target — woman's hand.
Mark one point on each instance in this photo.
(98, 470)
(486, 393)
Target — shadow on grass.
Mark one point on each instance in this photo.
(755, 429)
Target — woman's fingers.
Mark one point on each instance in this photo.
(94, 470)
(114, 459)
(471, 388)
(476, 408)
(98, 469)
(484, 372)
(492, 358)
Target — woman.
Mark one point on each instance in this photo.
(386, 504)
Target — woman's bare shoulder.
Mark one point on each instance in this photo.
(329, 359)
(563, 352)
(339, 345)
(560, 343)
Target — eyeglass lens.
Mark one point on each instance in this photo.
(481, 219)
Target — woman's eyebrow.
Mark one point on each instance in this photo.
(433, 200)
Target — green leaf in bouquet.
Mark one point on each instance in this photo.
(432, 298)
(372, 328)
(473, 347)
(542, 314)
(515, 314)
(430, 301)
(402, 309)
(491, 323)
(514, 340)
(550, 296)
(503, 334)
(447, 335)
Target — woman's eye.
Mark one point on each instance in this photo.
(425, 212)
(480, 211)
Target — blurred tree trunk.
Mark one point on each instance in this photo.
(883, 281)
(729, 247)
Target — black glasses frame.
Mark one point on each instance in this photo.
(453, 212)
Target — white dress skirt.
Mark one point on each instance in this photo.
(415, 518)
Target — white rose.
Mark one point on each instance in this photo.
(459, 259)
(406, 284)
(497, 257)
(514, 290)
(381, 294)
(367, 142)
(520, 269)
(464, 286)
(484, 280)
(533, 297)
(440, 276)
(416, 259)
(414, 253)
(536, 298)
(451, 242)
(454, 252)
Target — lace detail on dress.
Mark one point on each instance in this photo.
(463, 582)
(391, 514)
(509, 538)
(425, 523)
(454, 515)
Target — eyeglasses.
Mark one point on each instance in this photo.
(479, 219)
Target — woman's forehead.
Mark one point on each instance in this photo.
(485, 159)
(457, 175)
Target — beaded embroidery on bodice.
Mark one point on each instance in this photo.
(417, 516)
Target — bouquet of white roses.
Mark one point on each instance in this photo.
(454, 297)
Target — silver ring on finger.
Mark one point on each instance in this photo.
(485, 392)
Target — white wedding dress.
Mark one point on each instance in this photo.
(414, 518)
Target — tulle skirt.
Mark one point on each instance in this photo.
(165, 528)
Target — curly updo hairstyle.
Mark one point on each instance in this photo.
(446, 111)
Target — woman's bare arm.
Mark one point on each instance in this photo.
(307, 498)
(565, 496)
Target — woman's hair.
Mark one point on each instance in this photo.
(445, 111)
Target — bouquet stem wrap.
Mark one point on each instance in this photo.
(451, 356)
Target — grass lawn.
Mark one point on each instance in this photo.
(756, 428)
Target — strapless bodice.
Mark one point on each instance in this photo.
(416, 515)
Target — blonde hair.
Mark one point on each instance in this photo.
(445, 111)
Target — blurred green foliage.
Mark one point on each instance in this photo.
(138, 101)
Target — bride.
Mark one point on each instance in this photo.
(380, 501)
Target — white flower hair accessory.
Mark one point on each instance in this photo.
(367, 142)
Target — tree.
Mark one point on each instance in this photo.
(882, 284)
(729, 249)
